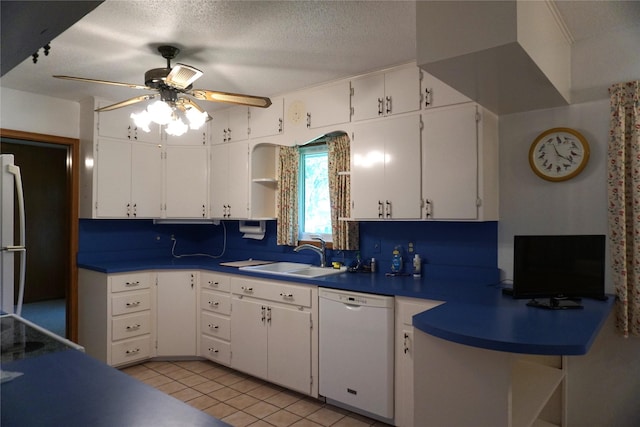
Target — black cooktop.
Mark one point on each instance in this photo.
(22, 339)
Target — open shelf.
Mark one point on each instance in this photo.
(533, 385)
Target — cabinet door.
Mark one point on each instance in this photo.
(113, 165)
(438, 94)
(367, 99)
(328, 105)
(267, 121)
(238, 126)
(450, 162)
(249, 337)
(289, 341)
(118, 124)
(186, 182)
(146, 180)
(367, 170)
(219, 126)
(238, 180)
(402, 91)
(402, 168)
(191, 137)
(219, 180)
(176, 310)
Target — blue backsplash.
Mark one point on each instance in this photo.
(471, 244)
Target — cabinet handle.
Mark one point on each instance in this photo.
(308, 120)
(269, 315)
(135, 210)
(406, 343)
(246, 289)
(380, 215)
(214, 303)
(428, 208)
(133, 327)
(428, 97)
(213, 326)
(136, 283)
(228, 134)
(388, 208)
(283, 295)
(380, 108)
(129, 132)
(212, 350)
(134, 351)
(279, 125)
(389, 108)
(133, 304)
(263, 313)
(128, 209)
(204, 211)
(214, 284)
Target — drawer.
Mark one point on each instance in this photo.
(130, 326)
(215, 349)
(272, 291)
(130, 302)
(215, 302)
(213, 281)
(130, 351)
(214, 325)
(130, 282)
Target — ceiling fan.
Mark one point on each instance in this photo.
(172, 84)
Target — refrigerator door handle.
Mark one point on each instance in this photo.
(20, 247)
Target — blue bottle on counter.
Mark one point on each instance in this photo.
(396, 261)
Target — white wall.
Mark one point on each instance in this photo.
(604, 385)
(29, 112)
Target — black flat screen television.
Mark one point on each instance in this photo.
(559, 267)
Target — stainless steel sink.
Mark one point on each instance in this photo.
(293, 269)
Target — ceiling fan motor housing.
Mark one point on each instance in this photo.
(155, 77)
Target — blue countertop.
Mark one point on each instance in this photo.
(475, 312)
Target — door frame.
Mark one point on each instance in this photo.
(73, 179)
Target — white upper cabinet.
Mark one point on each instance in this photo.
(384, 94)
(328, 105)
(128, 179)
(186, 181)
(267, 121)
(436, 93)
(190, 137)
(460, 163)
(118, 124)
(385, 169)
(229, 180)
(230, 125)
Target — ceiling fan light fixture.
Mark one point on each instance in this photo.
(196, 118)
(182, 76)
(142, 120)
(176, 127)
(160, 112)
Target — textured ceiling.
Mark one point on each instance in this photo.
(262, 48)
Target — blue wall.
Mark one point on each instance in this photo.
(438, 243)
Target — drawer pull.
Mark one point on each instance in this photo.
(133, 327)
(136, 283)
(214, 284)
(246, 289)
(283, 295)
(213, 350)
(133, 304)
(214, 303)
(213, 326)
(134, 351)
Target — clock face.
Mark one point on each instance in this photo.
(559, 154)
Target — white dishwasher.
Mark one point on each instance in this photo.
(356, 351)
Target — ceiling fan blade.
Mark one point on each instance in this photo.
(182, 102)
(82, 79)
(231, 98)
(126, 103)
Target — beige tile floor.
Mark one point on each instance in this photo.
(242, 400)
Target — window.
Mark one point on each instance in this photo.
(313, 201)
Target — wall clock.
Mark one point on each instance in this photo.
(559, 154)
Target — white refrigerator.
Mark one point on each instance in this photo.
(11, 246)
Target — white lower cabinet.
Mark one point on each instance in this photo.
(176, 320)
(116, 316)
(272, 332)
(405, 309)
(215, 322)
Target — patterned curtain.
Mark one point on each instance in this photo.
(624, 202)
(345, 233)
(287, 199)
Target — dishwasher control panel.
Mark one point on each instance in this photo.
(355, 298)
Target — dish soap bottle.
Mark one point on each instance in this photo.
(417, 266)
(396, 261)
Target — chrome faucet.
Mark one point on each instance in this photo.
(319, 250)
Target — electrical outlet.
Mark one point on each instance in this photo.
(376, 247)
(410, 247)
(173, 237)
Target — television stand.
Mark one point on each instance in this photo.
(556, 303)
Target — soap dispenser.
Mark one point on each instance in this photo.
(396, 261)
(417, 266)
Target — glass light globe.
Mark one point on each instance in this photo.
(177, 127)
(160, 112)
(142, 120)
(196, 118)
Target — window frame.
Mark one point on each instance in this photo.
(304, 237)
